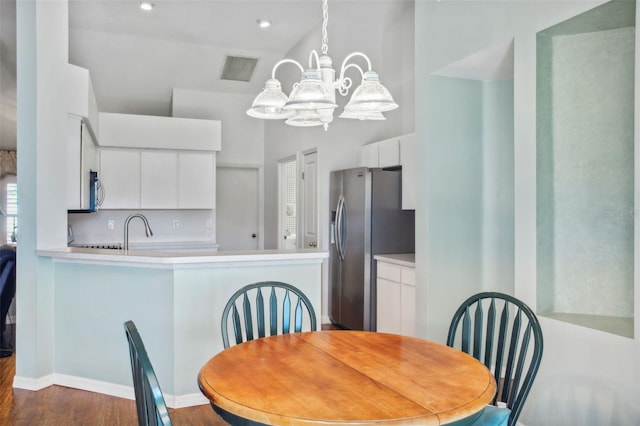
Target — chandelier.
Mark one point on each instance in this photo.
(313, 100)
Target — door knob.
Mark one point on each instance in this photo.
(313, 244)
(253, 235)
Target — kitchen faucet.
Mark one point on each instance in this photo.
(147, 228)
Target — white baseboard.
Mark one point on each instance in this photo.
(326, 320)
(106, 388)
(90, 385)
(183, 401)
(32, 384)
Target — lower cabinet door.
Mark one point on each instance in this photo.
(388, 306)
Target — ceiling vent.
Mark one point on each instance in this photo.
(238, 69)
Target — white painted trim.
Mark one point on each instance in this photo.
(28, 383)
(189, 400)
(326, 319)
(105, 388)
(98, 386)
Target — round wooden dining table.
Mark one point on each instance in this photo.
(346, 378)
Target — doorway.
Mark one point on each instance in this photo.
(309, 200)
(287, 208)
(239, 221)
(298, 201)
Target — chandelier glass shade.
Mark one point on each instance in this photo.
(313, 100)
(310, 94)
(305, 118)
(371, 96)
(362, 115)
(269, 103)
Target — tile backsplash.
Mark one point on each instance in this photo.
(107, 226)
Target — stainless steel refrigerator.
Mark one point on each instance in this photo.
(366, 219)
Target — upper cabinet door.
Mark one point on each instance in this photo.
(120, 176)
(158, 183)
(196, 180)
(74, 161)
(389, 153)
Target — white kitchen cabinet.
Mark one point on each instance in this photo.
(369, 156)
(196, 180)
(120, 177)
(176, 160)
(158, 180)
(398, 151)
(389, 153)
(156, 132)
(82, 158)
(381, 154)
(150, 179)
(395, 294)
(408, 161)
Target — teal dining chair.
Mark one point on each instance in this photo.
(150, 404)
(285, 306)
(497, 329)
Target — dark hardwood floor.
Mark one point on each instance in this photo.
(58, 405)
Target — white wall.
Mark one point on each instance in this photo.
(42, 43)
(498, 194)
(242, 136)
(587, 377)
(390, 50)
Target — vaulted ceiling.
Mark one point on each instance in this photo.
(137, 58)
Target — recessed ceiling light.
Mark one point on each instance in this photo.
(263, 23)
(146, 6)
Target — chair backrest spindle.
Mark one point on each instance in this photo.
(477, 332)
(248, 320)
(273, 303)
(260, 313)
(491, 326)
(286, 313)
(298, 317)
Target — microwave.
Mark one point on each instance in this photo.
(96, 195)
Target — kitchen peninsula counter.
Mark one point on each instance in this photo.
(176, 300)
(199, 257)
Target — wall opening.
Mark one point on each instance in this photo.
(585, 169)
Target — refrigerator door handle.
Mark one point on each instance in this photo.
(337, 228)
(341, 228)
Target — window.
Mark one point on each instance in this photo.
(11, 212)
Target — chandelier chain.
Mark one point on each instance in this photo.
(325, 18)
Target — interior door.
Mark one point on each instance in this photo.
(287, 204)
(309, 200)
(237, 208)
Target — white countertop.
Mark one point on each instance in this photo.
(402, 259)
(141, 257)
